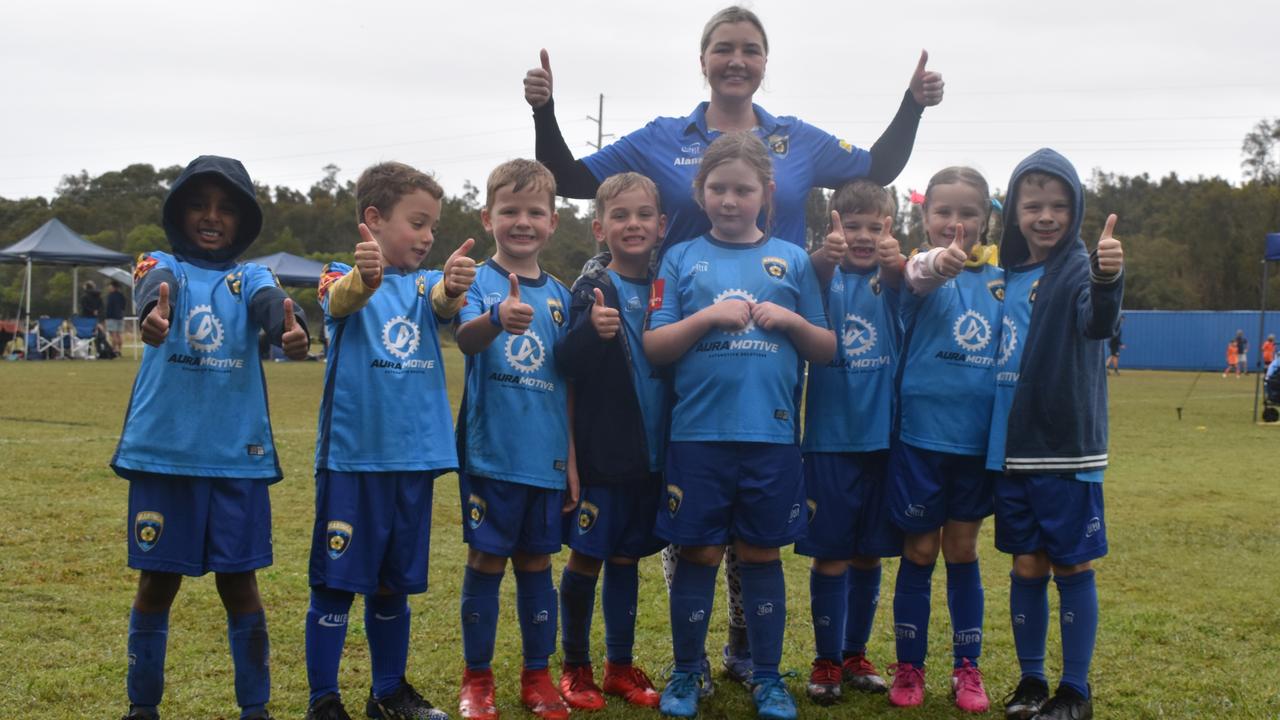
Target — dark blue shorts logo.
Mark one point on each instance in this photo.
(147, 527)
(675, 496)
(587, 514)
(476, 507)
(338, 538)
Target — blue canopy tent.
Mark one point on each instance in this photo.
(292, 270)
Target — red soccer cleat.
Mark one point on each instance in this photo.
(475, 699)
(908, 685)
(540, 696)
(631, 684)
(967, 688)
(578, 686)
(861, 674)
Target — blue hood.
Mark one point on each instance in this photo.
(1013, 244)
(230, 173)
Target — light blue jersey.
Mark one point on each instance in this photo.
(1019, 296)
(514, 420)
(633, 297)
(947, 378)
(385, 406)
(849, 401)
(740, 386)
(199, 404)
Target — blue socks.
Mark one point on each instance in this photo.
(764, 602)
(1078, 618)
(911, 611)
(693, 591)
(148, 638)
(618, 602)
(386, 623)
(864, 597)
(326, 633)
(250, 654)
(536, 607)
(1029, 612)
(967, 606)
(479, 617)
(829, 601)
(577, 601)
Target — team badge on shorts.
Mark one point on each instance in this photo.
(775, 266)
(147, 527)
(338, 538)
(556, 309)
(587, 514)
(476, 507)
(997, 289)
(675, 496)
(779, 144)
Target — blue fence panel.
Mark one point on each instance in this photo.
(1190, 339)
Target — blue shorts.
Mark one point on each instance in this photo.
(616, 521)
(719, 491)
(848, 513)
(927, 488)
(196, 525)
(502, 518)
(372, 530)
(1055, 513)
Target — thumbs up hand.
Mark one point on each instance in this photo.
(155, 327)
(926, 85)
(516, 316)
(834, 245)
(459, 270)
(605, 319)
(888, 251)
(1110, 253)
(951, 260)
(537, 83)
(369, 258)
(293, 340)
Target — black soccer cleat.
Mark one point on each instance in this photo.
(139, 714)
(1066, 704)
(328, 707)
(403, 704)
(1026, 699)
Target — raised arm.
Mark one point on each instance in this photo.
(891, 151)
(573, 178)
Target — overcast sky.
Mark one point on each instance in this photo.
(290, 86)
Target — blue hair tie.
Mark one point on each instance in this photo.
(995, 203)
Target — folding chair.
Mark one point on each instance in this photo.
(85, 328)
(49, 338)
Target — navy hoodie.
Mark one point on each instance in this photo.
(1058, 420)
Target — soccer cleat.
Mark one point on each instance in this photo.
(860, 674)
(824, 682)
(908, 685)
(967, 689)
(578, 686)
(475, 699)
(140, 714)
(680, 696)
(403, 704)
(1066, 704)
(737, 663)
(540, 695)
(1025, 700)
(328, 707)
(631, 684)
(774, 701)
(259, 715)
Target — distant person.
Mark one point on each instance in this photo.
(1114, 346)
(113, 317)
(1268, 351)
(1233, 359)
(90, 300)
(1242, 354)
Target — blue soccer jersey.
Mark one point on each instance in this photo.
(946, 382)
(514, 420)
(668, 150)
(849, 401)
(385, 406)
(744, 385)
(205, 376)
(633, 297)
(1019, 297)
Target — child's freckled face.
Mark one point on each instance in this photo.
(210, 215)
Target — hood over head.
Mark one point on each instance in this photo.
(229, 173)
(1013, 244)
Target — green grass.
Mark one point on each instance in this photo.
(1189, 620)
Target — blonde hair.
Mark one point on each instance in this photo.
(381, 186)
(615, 185)
(521, 174)
(728, 16)
(739, 145)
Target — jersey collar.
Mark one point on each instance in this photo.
(697, 121)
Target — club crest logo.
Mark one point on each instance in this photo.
(476, 508)
(813, 508)
(971, 331)
(675, 496)
(779, 144)
(556, 309)
(142, 267)
(147, 527)
(421, 285)
(1031, 297)
(874, 283)
(858, 336)
(525, 353)
(235, 282)
(775, 266)
(845, 145)
(587, 514)
(997, 289)
(400, 336)
(737, 294)
(1008, 340)
(204, 329)
(337, 538)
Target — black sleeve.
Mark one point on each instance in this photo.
(573, 179)
(580, 350)
(147, 291)
(890, 153)
(267, 311)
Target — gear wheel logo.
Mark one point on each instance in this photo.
(972, 331)
(400, 336)
(737, 294)
(1008, 340)
(858, 336)
(204, 329)
(525, 353)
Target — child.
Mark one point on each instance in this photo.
(736, 312)
(1233, 356)
(375, 466)
(848, 412)
(1049, 428)
(939, 488)
(197, 447)
(517, 453)
(619, 430)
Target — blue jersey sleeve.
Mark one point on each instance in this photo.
(809, 304)
(835, 161)
(476, 305)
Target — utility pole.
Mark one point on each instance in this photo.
(599, 121)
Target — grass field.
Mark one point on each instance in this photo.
(1190, 623)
